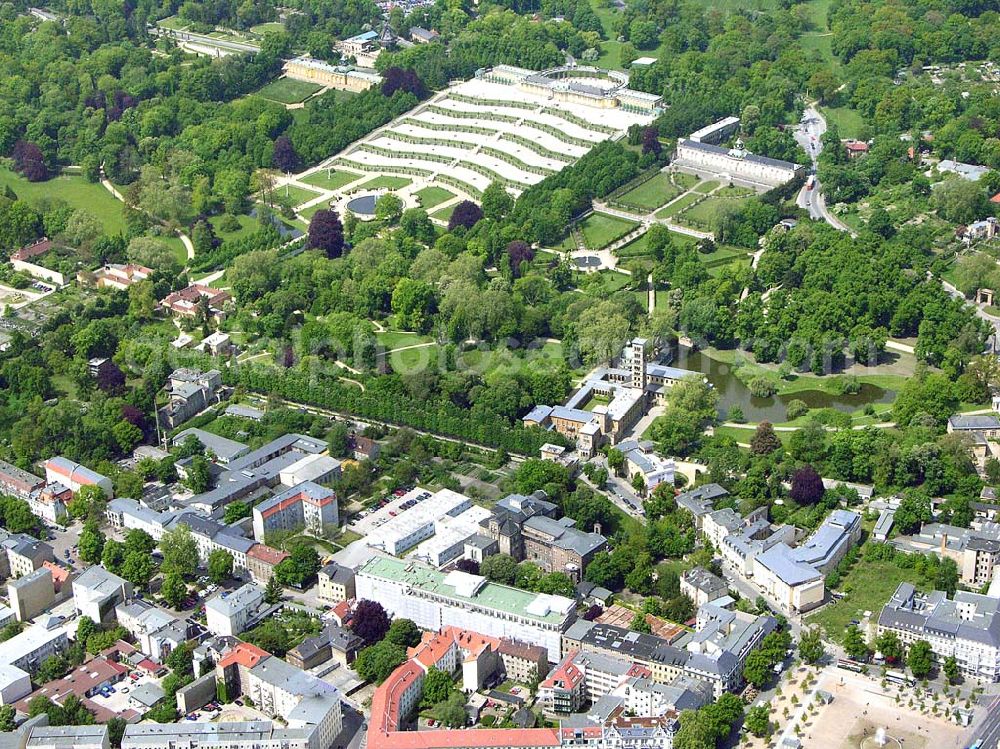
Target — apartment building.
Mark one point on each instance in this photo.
(700, 501)
(967, 627)
(74, 476)
(281, 690)
(336, 583)
(68, 737)
(522, 662)
(28, 649)
(701, 586)
(18, 483)
(588, 677)
(976, 551)
(32, 594)
(209, 535)
(232, 613)
(261, 561)
(156, 631)
(434, 599)
(96, 593)
(306, 506)
(258, 734)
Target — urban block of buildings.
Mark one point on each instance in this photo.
(967, 627)
(433, 599)
(306, 506)
(526, 528)
(976, 551)
(45, 500)
(714, 654)
(630, 389)
(473, 656)
(794, 577)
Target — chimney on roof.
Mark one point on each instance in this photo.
(944, 542)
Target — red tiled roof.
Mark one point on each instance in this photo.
(79, 681)
(383, 726)
(857, 145)
(196, 291)
(245, 655)
(59, 575)
(524, 650)
(433, 651)
(566, 675)
(148, 664)
(995, 198)
(639, 670)
(487, 738)
(33, 250)
(266, 554)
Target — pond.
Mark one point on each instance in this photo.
(363, 206)
(732, 392)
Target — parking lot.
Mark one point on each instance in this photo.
(119, 700)
(377, 518)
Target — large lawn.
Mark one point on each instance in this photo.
(867, 587)
(174, 23)
(603, 280)
(331, 179)
(263, 28)
(444, 214)
(288, 91)
(600, 230)
(393, 339)
(652, 193)
(74, 190)
(248, 225)
(635, 248)
(705, 213)
(432, 196)
(385, 182)
(297, 195)
(611, 49)
(849, 121)
(678, 205)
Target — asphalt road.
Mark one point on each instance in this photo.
(808, 134)
(988, 734)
